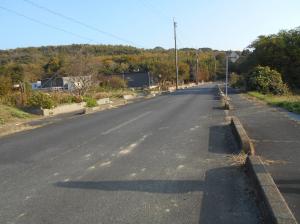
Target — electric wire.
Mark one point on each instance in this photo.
(47, 24)
(80, 23)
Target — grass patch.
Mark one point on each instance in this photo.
(9, 114)
(90, 102)
(289, 102)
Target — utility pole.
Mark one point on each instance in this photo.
(226, 82)
(215, 67)
(197, 71)
(176, 54)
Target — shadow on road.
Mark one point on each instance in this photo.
(220, 136)
(150, 186)
(194, 91)
(222, 192)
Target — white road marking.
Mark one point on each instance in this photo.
(180, 156)
(163, 128)
(105, 164)
(55, 174)
(21, 215)
(125, 123)
(180, 167)
(91, 168)
(87, 156)
(132, 146)
(194, 128)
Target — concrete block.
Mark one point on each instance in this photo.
(103, 101)
(272, 204)
(128, 97)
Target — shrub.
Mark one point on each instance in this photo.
(90, 102)
(236, 81)
(114, 82)
(5, 86)
(266, 80)
(65, 98)
(39, 99)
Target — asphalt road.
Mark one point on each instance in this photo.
(162, 160)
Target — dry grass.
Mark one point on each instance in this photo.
(12, 114)
(238, 160)
(289, 102)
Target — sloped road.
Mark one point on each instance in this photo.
(163, 160)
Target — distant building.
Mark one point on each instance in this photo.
(66, 83)
(36, 85)
(137, 79)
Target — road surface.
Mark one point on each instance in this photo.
(162, 160)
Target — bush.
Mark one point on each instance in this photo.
(266, 80)
(5, 86)
(236, 81)
(90, 102)
(65, 98)
(39, 99)
(114, 82)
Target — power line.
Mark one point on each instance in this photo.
(79, 22)
(46, 24)
(154, 9)
(159, 12)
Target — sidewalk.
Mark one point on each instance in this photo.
(276, 137)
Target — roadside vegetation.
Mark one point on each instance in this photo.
(270, 70)
(12, 114)
(289, 102)
(22, 66)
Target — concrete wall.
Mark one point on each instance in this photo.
(66, 108)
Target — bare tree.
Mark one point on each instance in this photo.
(82, 73)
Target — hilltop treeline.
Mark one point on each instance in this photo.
(279, 52)
(34, 63)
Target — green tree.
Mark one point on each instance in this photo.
(52, 66)
(266, 80)
(280, 52)
(5, 85)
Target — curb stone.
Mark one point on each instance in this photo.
(224, 100)
(272, 204)
(241, 136)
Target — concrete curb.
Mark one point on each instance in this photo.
(241, 136)
(224, 100)
(272, 204)
(273, 207)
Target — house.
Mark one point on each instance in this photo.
(36, 85)
(137, 79)
(66, 83)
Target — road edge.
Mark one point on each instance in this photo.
(272, 204)
(273, 207)
(241, 136)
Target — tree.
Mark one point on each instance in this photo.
(280, 52)
(5, 86)
(81, 73)
(266, 80)
(53, 66)
(15, 72)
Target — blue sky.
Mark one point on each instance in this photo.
(219, 24)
